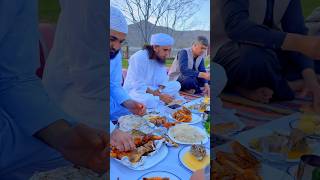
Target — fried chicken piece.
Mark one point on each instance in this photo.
(186, 111)
(157, 120)
(183, 115)
(169, 124)
(135, 155)
(248, 161)
(115, 153)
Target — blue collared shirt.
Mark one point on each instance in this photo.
(117, 94)
(25, 106)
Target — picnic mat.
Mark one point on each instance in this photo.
(189, 97)
(254, 114)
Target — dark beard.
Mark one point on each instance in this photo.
(160, 61)
(113, 53)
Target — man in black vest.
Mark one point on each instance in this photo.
(268, 54)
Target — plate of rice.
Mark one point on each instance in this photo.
(188, 134)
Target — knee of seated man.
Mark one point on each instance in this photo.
(256, 57)
(189, 82)
(219, 76)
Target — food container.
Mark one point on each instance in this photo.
(309, 168)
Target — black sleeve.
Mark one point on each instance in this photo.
(240, 28)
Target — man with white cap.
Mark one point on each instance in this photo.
(147, 79)
(35, 134)
(76, 70)
(119, 99)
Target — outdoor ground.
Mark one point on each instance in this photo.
(168, 62)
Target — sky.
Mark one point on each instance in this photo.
(204, 16)
(201, 20)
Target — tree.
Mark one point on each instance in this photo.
(147, 14)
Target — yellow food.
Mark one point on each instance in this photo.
(224, 128)
(309, 124)
(206, 100)
(194, 164)
(296, 154)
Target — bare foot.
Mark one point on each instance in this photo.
(191, 91)
(262, 94)
(297, 85)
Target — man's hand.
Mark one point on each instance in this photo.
(314, 90)
(206, 89)
(121, 140)
(198, 175)
(135, 107)
(311, 46)
(204, 75)
(166, 98)
(81, 145)
(311, 86)
(307, 45)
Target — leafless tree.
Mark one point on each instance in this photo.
(147, 14)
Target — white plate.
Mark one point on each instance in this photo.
(293, 171)
(195, 119)
(162, 174)
(147, 117)
(150, 161)
(294, 125)
(240, 124)
(194, 102)
(202, 131)
(183, 151)
(277, 157)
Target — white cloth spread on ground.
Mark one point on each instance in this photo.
(220, 114)
(146, 73)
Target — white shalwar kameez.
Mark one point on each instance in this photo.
(144, 73)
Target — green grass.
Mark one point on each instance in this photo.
(168, 63)
(309, 6)
(49, 11)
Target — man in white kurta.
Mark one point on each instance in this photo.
(76, 69)
(147, 80)
(35, 134)
(76, 74)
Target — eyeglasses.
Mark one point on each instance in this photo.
(114, 39)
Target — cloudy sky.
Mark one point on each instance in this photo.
(200, 20)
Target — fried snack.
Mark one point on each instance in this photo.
(237, 165)
(115, 153)
(224, 128)
(169, 124)
(198, 151)
(158, 120)
(168, 140)
(183, 115)
(156, 178)
(248, 160)
(144, 144)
